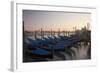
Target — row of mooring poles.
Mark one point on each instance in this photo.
(51, 33)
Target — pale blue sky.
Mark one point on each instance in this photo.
(47, 20)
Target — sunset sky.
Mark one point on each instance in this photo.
(47, 20)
